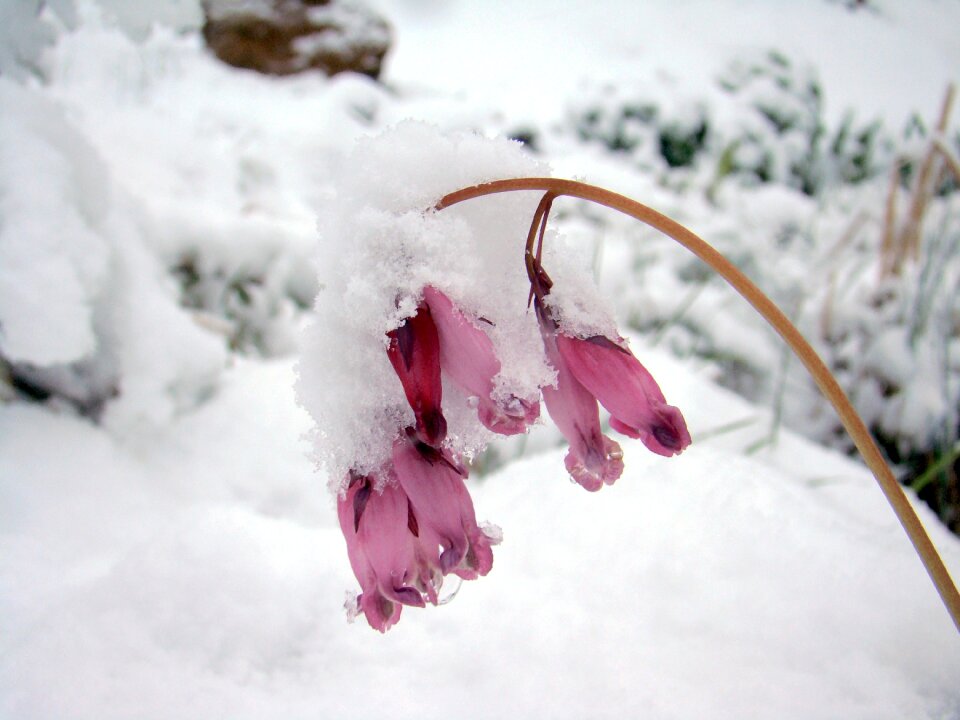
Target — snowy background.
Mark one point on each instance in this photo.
(169, 550)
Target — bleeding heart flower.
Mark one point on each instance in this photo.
(414, 352)
(383, 548)
(593, 460)
(468, 358)
(611, 373)
(433, 481)
(594, 369)
(408, 526)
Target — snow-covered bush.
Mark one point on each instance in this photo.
(892, 333)
(27, 29)
(87, 313)
(121, 287)
(30, 27)
(764, 124)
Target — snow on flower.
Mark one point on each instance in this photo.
(596, 368)
(423, 347)
(467, 354)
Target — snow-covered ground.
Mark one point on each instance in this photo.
(169, 550)
(200, 573)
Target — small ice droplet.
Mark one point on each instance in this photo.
(450, 589)
(473, 401)
(351, 604)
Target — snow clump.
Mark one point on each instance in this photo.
(380, 245)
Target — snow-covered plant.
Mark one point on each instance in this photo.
(791, 196)
(114, 303)
(431, 295)
(431, 310)
(27, 29)
(764, 125)
(894, 341)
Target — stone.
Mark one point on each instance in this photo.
(283, 37)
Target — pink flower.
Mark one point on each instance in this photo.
(412, 523)
(599, 369)
(611, 373)
(408, 526)
(388, 558)
(442, 506)
(468, 358)
(414, 352)
(593, 459)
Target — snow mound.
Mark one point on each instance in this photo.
(380, 245)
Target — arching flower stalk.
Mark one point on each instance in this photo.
(412, 522)
(824, 379)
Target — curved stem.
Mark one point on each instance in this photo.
(815, 366)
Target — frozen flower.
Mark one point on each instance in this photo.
(442, 508)
(414, 352)
(385, 551)
(611, 373)
(412, 522)
(593, 369)
(468, 358)
(408, 526)
(593, 459)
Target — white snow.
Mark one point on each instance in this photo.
(203, 574)
(53, 200)
(168, 548)
(378, 249)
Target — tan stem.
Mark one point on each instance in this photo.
(924, 189)
(772, 314)
(949, 158)
(888, 251)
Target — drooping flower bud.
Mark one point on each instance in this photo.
(383, 551)
(593, 460)
(414, 352)
(612, 374)
(595, 369)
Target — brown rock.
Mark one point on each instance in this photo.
(282, 37)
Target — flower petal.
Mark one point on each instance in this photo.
(414, 352)
(623, 386)
(381, 613)
(468, 358)
(383, 552)
(439, 497)
(593, 459)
